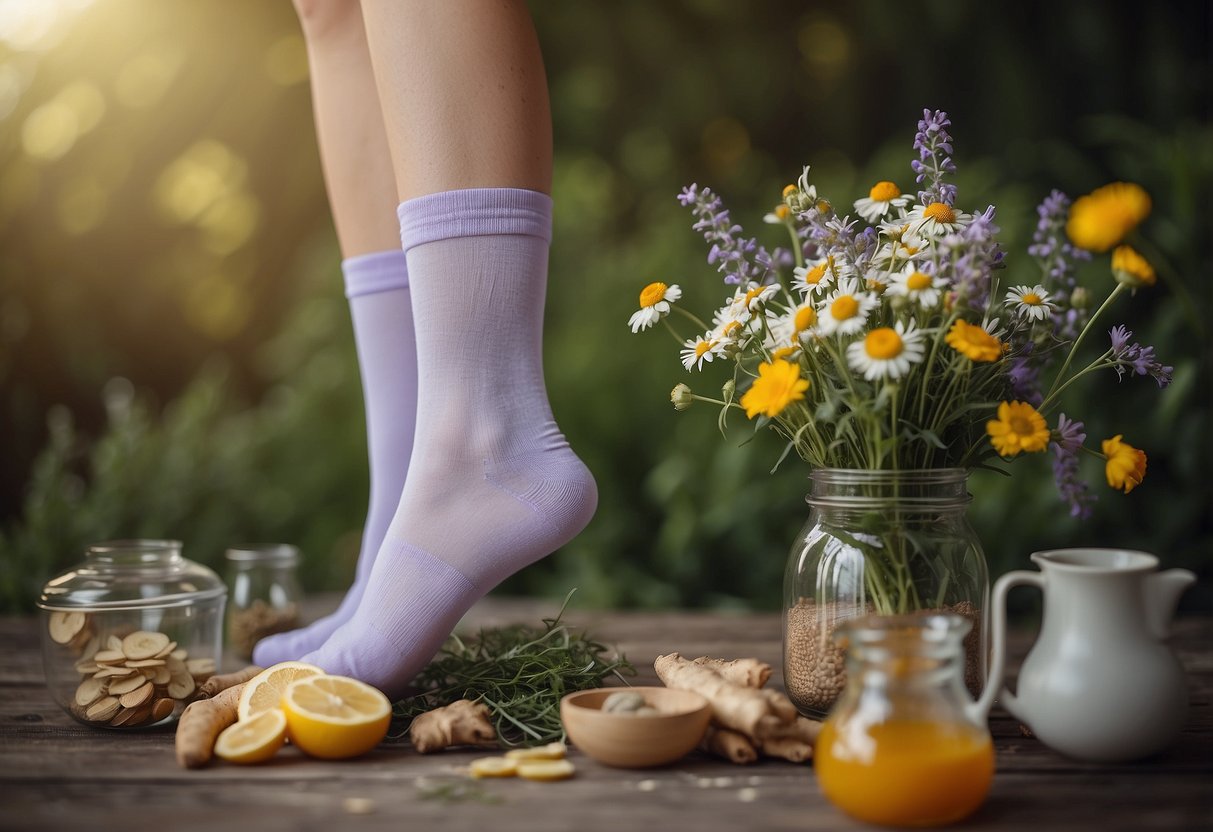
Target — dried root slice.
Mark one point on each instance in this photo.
(109, 657)
(103, 710)
(551, 751)
(545, 770)
(163, 708)
(140, 696)
(493, 767)
(142, 644)
(65, 626)
(90, 691)
(180, 686)
(124, 685)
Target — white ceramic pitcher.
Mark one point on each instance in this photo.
(1100, 684)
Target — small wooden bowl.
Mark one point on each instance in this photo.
(630, 741)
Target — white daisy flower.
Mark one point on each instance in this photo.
(699, 349)
(752, 297)
(818, 276)
(887, 352)
(779, 330)
(918, 287)
(778, 215)
(655, 300)
(936, 219)
(846, 309)
(1032, 302)
(880, 199)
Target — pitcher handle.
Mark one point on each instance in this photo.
(980, 710)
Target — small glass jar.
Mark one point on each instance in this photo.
(883, 542)
(265, 593)
(130, 633)
(904, 745)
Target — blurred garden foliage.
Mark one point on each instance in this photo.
(175, 352)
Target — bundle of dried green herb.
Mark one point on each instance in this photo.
(520, 672)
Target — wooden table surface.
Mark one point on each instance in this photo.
(58, 775)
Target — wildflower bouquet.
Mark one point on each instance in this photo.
(883, 341)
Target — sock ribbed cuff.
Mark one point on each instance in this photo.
(474, 212)
(379, 271)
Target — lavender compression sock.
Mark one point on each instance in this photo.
(493, 486)
(377, 286)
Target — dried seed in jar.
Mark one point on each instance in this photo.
(90, 691)
(181, 686)
(103, 710)
(137, 697)
(142, 644)
(109, 657)
(64, 626)
(119, 687)
(162, 708)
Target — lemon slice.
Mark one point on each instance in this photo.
(264, 691)
(492, 767)
(551, 751)
(334, 717)
(253, 740)
(545, 770)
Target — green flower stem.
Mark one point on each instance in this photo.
(1061, 374)
(797, 245)
(1097, 364)
(670, 328)
(692, 317)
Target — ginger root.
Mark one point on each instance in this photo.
(746, 719)
(218, 684)
(749, 673)
(461, 723)
(202, 722)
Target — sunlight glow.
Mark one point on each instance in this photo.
(36, 25)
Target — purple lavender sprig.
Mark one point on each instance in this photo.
(1135, 359)
(972, 254)
(739, 258)
(1058, 261)
(1066, 445)
(934, 146)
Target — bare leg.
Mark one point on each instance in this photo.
(362, 193)
(349, 126)
(464, 94)
(493, 485)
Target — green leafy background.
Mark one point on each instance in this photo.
(176, 357)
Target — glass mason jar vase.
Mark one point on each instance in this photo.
(878, 542)
(265, 593)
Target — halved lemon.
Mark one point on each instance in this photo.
(253, 740)
(334, 717)
(264, 691)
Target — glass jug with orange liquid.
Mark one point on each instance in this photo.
(904, 744)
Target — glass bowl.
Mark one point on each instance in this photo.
(130, 633)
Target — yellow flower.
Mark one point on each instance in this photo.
(1126, 466)
(1019, 427)
(973, 342)
(777, 386)
(1131, 269)
(1103, 218)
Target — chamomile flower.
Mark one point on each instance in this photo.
(752, 297)
(699, 349)
(804, 321)
(817, 277)
(846, 309)
(917, 286)
(880, 199)
(655, 300)
(778, 215)
(887, 352)
(936, 219)
(1032, 302)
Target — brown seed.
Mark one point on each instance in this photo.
(143, 644)
(103, 710)
(64, 626)
(181, 686)
(162, 708)
(90, 691)
(120, 687)
(138, 696)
